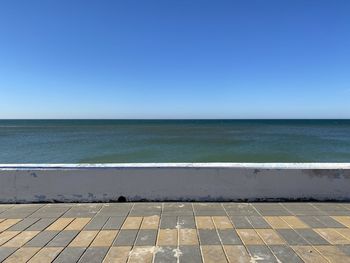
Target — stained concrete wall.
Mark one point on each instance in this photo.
(186, 181)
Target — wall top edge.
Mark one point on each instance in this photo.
(180, 165)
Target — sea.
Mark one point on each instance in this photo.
(125, 141)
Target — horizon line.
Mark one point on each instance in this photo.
(151, 119)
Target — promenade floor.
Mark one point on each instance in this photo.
(175, 232)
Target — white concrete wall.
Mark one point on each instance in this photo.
(186, 181)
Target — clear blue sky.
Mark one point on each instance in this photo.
(175, 59)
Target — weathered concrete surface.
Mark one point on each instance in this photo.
(201, 182)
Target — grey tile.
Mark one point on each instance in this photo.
(6, 252)
(166, 254)
(78, 214)
(329, 222)
(23, 225)
(177, 206)
(292, 237)
(5, 207)
(207, 207)
(147, 206)
(115, 210)
(186, 222)
(114, 223)
(145, 213)
(96, 223)
(258, 222)
(168, 222)
(208, 237)
(94, 254)
(83, 210)
(302, 209)
(312, 212)
(20, 211)
(177, 209)
(70, 254)
(120, 206)
(241, 222)
(210, 213)
(336, 213)
(229, 237)
(271, 209)
(261, 253)
(113, 214)
(146, 237)
(298, 206)
(190, 254)
(126, 237)
(146, 209)
(63, 238)
(41, 224)
(345, 249)
(312, 237)
(25, 207)
(329, 206)
(51, 211)
(285, 254)
(312, 221)
(177, 213)
(306, 212)
(267, 206)
(274, 212)
(241, 209)
(42, 239)
(346, 205)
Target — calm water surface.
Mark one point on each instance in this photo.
(90, 141)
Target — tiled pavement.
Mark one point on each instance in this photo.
(175, 232)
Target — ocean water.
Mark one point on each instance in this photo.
(120, 141)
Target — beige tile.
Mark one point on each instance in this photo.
(8, 223)
(104, 238)
(167, 237)
(141, 254)
(333, 254)
(117, 255)
(204, 222)
(46, 255)
(7, 235)
(60, 224)
(78, 223)
(21, 239)
(294, 222)
(132, 223)
(249, 237)
(270, 236)
(83, 239)
(308, 254)
(345, 220)
(345, 232)
(276, 222)
(222, 222)
(22, 255)
(188, 237)
(332, 236)
(150, 222)
(237, 254)
(213, 254)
